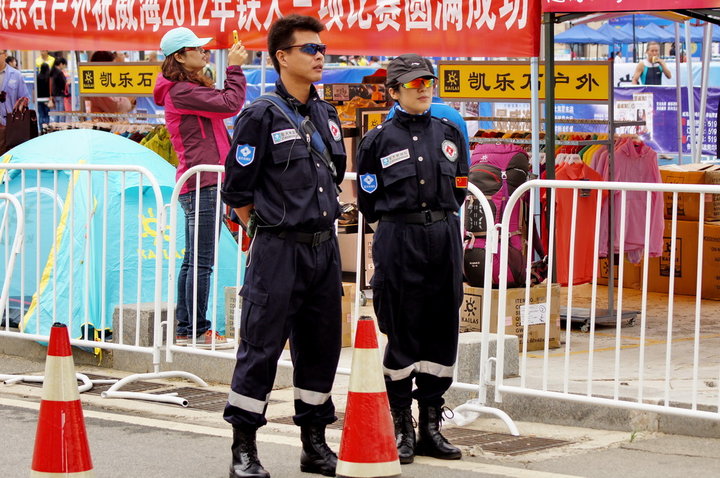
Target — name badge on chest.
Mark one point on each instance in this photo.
(390, 159)
(285, 135)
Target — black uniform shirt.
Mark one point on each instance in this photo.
(270, 165)
(412, 163)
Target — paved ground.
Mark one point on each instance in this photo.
(143, 439)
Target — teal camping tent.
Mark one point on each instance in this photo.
(92, 271)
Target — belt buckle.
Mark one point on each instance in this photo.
(428, 217)
(317, 238)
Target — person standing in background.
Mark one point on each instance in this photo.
(12, 88)
(58, 87)
(194, 113)
(44, 57)
(108, 104)
(650, 70)
(12, 61)
(42, 84)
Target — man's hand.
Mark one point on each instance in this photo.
(244, 214)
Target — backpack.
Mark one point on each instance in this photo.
(497, 170)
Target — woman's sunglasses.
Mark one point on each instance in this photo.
(198, 49)
(419, 83)
(309, 48)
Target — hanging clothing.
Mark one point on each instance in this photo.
(583, 247)
(635, 161)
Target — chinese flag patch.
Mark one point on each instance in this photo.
(461, 182)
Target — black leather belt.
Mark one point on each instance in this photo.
(421, 217)
(312, 238)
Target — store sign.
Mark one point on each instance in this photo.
(491, 28)
(594, 6)
(503, 81)
(117, 79)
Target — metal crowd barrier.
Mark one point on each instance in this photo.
(64, 274)
(666, 366)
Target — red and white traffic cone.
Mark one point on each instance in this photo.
(61, 444)
(367, 447)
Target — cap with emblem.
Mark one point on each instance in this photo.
(178, 38)
(407, 67)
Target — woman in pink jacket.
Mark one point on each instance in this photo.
(194, 114)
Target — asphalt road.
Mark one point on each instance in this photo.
(131, 438)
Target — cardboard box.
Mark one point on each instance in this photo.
(471, 314)
(348, 302)
(686, 261)
(632, 274)
(348, 254)
(688, 204)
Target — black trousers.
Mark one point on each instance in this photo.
(291, 290)
(417, 291)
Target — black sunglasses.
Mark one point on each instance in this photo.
(309, 48)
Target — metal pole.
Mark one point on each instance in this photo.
(635, 59)
(678, 92)
(263, 71)
(549, 23)
(707, 46)
(220, 67)
(690, 91)
(534, 115)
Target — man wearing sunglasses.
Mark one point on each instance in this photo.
(412, 171)
(12, 88)
(283, 173)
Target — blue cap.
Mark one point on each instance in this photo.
(178, 38)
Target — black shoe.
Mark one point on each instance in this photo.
(404, 434)
(245, 462)
(316, 456)
(430, 440)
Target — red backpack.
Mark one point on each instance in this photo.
(497, 170)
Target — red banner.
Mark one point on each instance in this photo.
(596, 6)
(489, 28)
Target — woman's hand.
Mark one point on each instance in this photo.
(237, 55)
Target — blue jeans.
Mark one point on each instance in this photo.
(205, 221)
(43, 117)
(59, 106)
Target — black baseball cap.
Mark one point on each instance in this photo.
(407, 67)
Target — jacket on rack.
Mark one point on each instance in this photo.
(194, 117)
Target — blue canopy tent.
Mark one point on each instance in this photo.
(582, 34)
(652, 32)
(696, 33)
(69, 208)
(617, 35)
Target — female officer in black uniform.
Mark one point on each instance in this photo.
(413, 179)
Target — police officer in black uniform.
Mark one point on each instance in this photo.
(413, 172)
(277, 178)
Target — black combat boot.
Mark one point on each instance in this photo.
(404, 434)
(245, 462)
(430, 441)
(316, 456)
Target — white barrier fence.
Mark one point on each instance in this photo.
(93, 238)
(670, 364)
(78, 201)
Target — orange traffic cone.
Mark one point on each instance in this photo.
(367, 447)
(61, 444)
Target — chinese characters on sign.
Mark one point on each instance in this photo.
(574, 81)
(118, 79)
(438, 27)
